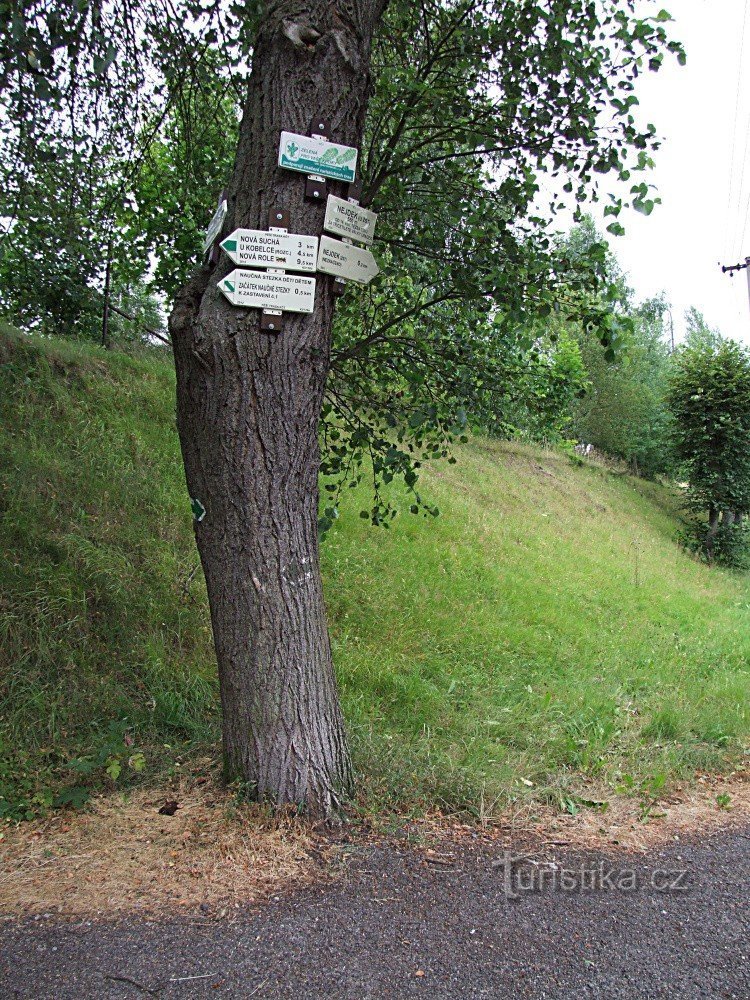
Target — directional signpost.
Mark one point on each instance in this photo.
(314, 155)
(348, 219)
(284, 292)
(259, 248)
(273, 290)
(214, 226)
(346, 261)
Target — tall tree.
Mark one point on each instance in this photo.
(709, 398)
(698, 333)
(525, 85)
(248, 411)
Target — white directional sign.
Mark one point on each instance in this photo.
(258, 248)
(287, 292)
(349, 220)
(214, 226)
(346, 261)
(312, 155)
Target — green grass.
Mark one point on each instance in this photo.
(96, 543)
(545, 628)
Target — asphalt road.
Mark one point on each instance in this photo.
(561, 926)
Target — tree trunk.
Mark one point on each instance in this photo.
(713, 530)
(248, 409)
(106, 344)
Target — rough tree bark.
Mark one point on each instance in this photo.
(713, 530)
(248, 408)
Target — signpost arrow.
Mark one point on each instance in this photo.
(259, 248)
(214, 226)
(285, 292)
(348, 219)
(314, 155)
(346, 261)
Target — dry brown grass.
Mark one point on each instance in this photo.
(684, 812)
(212, 855)
(215, 855)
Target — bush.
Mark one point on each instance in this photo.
(709, 399)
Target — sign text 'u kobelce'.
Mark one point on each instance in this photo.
(313, 155)
(287, 292)
(346, 261)
(261, 248)
(348, 219)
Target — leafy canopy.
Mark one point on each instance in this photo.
(474, 102)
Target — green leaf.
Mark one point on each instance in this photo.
(114, 768)
(76, 797)
(102, 63)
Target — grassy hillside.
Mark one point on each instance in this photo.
(544, 629)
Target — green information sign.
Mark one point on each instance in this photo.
(312, 155)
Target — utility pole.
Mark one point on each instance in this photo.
(731, 268)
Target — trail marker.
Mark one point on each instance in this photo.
(285, 292)
(263, 248)
(275, 291)
(312, 154)
(347, 218)
(346, 261)
(214, 226)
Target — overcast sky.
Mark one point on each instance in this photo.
(702, 110)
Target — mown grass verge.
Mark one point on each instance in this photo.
(544, 631)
